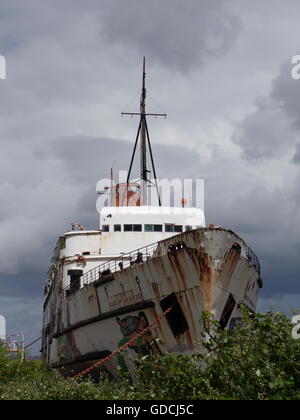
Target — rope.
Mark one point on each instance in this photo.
(126, 107)
(140, 334)
(31, 344)
(151, 97)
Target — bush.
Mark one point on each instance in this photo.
(259, 360)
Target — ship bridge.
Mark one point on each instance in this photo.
(129, 227)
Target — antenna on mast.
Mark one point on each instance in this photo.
(143, 136)
(112, 182)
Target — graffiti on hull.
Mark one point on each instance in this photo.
(130, 326)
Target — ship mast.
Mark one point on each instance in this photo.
(143, 145)
(144, 138)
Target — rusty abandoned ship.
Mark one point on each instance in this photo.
(105, 286)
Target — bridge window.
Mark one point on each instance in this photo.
(132, 228)
(117, 228)
(105, 228)
(188, 228)
(174, 228)
(153, 228)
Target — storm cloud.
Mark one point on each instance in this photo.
(177, 35)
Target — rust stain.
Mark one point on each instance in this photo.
(138, 282)
(156, 291)
(206, 279)
(72, 344)
(192, 253)
(229, 266)
(173, 258)
(161, 328)
(188, 308)
(189, 338)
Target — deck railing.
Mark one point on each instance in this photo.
(252, 258)
(106, 270)
(119, 263)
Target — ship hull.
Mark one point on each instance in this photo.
(209, 270)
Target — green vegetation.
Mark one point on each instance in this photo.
(257, 360)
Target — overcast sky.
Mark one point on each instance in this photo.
(222, 72)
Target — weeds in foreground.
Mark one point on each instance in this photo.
(259, 360)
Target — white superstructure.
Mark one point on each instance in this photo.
(128, 228)
(123, 229)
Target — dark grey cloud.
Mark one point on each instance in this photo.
(282, 303)
(264, 133)
(28, 282)
(296, 158)
(177, 34)
(270, 216)
(85, 158)
(286, 93)
(273, 128)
